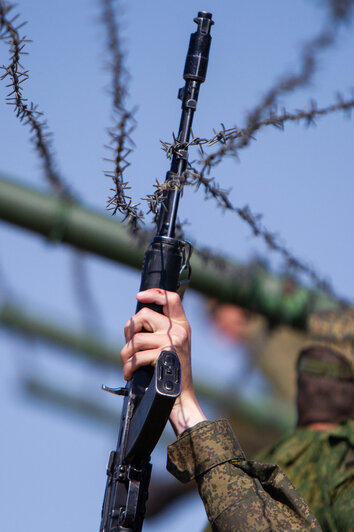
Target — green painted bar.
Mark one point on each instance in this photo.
(88, 346)
(278, 299)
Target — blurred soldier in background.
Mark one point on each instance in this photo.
(242, 376)
(229, 319)
(318, 456)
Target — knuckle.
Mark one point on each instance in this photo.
(129, 325)
(144, 312)
(184, 336)
(138, 339)
(181, 333)
(174, 297)
(124, 355)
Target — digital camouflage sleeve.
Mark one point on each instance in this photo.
(238, 494)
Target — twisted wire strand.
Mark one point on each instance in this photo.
(263, 115)
(28, 113)
(265, 112)
(42, 139)
(121, 143)
(228, 136)
(234, 139)
(197, 179)
(274, 242)
(286, 85)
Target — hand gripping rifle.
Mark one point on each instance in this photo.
(151, 393)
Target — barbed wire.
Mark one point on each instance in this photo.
(42, 139)
(340, 11)
(193, 178)
(287, 84)
(227, 136)
(121, 143)
(234, 139)
(28, 113)
(231, 140)
(197, 179)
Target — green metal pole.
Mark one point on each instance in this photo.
(278, 299)
(91, 347)
(61, 221)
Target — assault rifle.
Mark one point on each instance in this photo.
(150, 395)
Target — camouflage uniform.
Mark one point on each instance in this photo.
(321, 466)
(238, 494)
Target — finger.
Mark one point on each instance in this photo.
(144, 342)
(145, 358)
(170, 301)
(146, 319)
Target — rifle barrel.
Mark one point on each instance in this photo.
(194, 74)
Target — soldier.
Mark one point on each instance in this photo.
(238, 494)
(318, 457)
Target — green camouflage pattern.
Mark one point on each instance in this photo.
(333, 325)
(321, 466)
(337, 369)
(238, 494)
(333, 329)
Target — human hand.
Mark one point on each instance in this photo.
(168, 331)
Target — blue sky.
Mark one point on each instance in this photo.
(301, 180)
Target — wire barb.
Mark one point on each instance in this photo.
(230, 140)
(42, 139)
(121, 143)
(27, 113)
(234, 139)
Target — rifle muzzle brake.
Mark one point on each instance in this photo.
(198, 52)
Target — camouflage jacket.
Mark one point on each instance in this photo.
(321, 466)
(238, 494)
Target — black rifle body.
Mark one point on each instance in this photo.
(150, 395)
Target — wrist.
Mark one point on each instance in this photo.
(186, 413)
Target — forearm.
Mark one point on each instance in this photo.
(186, 413)
(238, 494)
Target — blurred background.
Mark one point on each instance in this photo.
(63, 311)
